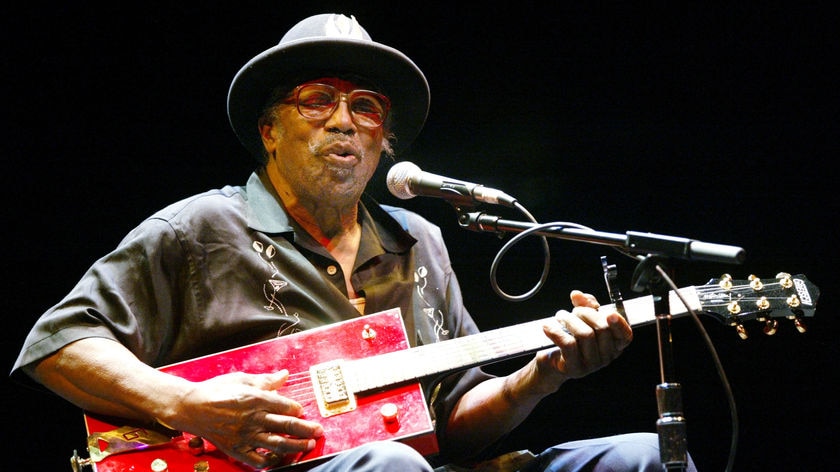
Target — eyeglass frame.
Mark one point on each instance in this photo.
(294, 98)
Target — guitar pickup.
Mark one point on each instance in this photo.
(331, 389)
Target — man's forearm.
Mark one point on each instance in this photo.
(100, 375)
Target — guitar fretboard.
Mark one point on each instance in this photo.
(490, 346)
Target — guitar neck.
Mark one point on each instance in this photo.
(490, 346)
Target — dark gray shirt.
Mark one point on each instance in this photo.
(229, 267)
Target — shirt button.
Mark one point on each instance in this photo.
(332, 270)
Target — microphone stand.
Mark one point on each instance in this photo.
(670, 426)
(650, 275)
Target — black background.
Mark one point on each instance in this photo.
(716, 123)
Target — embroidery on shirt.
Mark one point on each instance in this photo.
(436, 315)
(272, 287)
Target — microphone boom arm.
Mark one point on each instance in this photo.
(632, 241)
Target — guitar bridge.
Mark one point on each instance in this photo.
(331, 391)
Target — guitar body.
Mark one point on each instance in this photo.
(364, 418)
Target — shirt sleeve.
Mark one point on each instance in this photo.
(125, 296)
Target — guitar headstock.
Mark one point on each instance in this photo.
(792, 297)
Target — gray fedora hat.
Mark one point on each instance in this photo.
(328, 44)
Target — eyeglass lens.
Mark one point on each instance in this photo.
(319, 101)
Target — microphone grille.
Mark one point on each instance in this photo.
(399, 179)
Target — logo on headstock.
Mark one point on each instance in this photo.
(802, 291)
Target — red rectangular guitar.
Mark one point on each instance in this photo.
(359, 378)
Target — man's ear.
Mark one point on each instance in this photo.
(268, 140)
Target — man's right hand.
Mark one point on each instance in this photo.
(244, 416)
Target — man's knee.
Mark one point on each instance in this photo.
(395, 453)
(379, 456)
(644, 449)
(637, 452)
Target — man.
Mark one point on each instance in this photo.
(300, 246)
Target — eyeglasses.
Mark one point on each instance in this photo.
(319, 101)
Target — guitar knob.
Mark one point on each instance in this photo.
(160, 465)
(196, 445)
(368, 333)
(389, 412)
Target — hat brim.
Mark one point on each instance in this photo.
(401, 80)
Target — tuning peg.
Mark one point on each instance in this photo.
(785, 279)
(800, 325)
(725, 282)
(755, 283)
(742, 332)
(770, 327)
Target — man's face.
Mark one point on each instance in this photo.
(330, 158)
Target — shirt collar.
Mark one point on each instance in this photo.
(383, 228)
(267, 215)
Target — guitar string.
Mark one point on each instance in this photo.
(299, 385)
(489, 346)
(741, 290)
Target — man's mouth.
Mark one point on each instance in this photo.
(342, 152)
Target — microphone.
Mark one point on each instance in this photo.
(406, 180)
